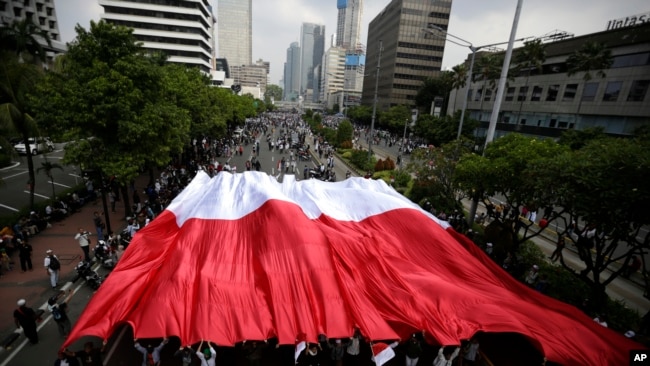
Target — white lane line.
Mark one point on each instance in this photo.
(15, 175)
(74, 175)
(58, 184)
(36, 194)
(9, 208)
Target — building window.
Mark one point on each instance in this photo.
(537, 94)
(510, 94)
(478, 95)
(552, 122)
(612, 91)
(469, 94)
(48, 11)
(551, 94)
(638, 90)
(523, 91)
(563, 124)
(18, 12)
(488, 95)
(589, 92)
(570, 92)
(522, 121)
(635, 59)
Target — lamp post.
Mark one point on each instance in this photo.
(374, 103)
(468, 81)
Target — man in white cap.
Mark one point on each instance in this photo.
(52, 267)
(26, 318)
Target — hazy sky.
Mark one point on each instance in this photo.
(276, 23)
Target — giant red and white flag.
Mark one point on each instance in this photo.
(241, 256)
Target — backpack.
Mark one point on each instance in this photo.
(55, 265)
(56, 313)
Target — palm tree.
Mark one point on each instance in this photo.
(528, 59)
(16, 81)
(489, 67)
(48, 167)
(592, 56)
(22, 37)
(458, 78)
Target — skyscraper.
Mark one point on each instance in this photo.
(182, 29)
(235, 31)
(409, 54)
(292, 72)
(312, 45)
(41, 13)
(348, 24)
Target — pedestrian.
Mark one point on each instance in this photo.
(60, 312)
(25, 255)
(557, 253)
(99, 225)
(446, 356)
(185, 355)
(84, 243)
(5, 261)
(531, 276)
(25, 318)
(413, 351)
(52, 267)
(207, 356)
(89, 356)
(112, 199)
(471, 355)
(353, 349)
(150, 354)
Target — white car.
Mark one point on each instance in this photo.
(36, 145)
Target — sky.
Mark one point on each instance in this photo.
(276, 23)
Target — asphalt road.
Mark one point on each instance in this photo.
(14, 192)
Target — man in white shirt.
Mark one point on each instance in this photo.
(84, 243)
(51, 268)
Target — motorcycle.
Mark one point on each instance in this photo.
(104, 254)
(85, 271)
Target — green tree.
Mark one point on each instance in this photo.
(591, 57)
(577, 139)
(435, 87)
(361, 114)
(529, 59)
(48, 167)
(489, 68)
(604, 184)
(17, 80)
(458, 78)
(344, 132)
(395, 118)
(441, 130)
(111, 92)
(504, 170)
(22, 37)
(273, 92)
(434, 170)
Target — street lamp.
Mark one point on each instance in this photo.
(468, 82)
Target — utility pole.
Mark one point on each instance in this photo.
(374, 104)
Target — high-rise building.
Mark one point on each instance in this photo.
(253, 76)
(292, 72)
(41, 13)
(409, 54)
(235, 29)
(348, 24)
(312, 46)
(181, 29)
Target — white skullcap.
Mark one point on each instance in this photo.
(21, 302)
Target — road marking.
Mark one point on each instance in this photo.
(36, 194)
(58, 184)
(74, 175)
(15, 175)
(9, 208)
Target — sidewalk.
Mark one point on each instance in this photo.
(34, 286)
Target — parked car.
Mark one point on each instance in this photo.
(36, 145)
